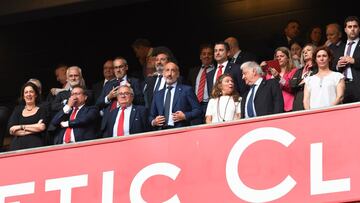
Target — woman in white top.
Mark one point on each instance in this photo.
(326, 88)
(224, 104)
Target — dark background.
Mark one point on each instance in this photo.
(37, 35)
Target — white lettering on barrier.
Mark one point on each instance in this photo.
(107, 187)
(317, 185)
(165, 169)
(235, 183)
(65, 185)
(16, 189)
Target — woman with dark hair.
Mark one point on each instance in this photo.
(27, 122)
(224, 104)
(326, 87)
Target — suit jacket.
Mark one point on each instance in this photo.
(235, 71)
(97, 88)
(135, 85)
(62, 97)
(83, 125)
(138, 121)
(268, 99)
(149, 89)
(245, 56)
(184, 100)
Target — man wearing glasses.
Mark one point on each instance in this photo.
(75, 121)
(109, 91)
(127, 118)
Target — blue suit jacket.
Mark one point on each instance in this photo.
(135, 85)
(184, 100)
(138, 121)
(83, 125)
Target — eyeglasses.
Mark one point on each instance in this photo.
(124, 93)
(121, 66)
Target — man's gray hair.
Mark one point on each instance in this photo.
(252, 65)
(127, 86)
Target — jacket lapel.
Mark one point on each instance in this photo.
(178, 92)
(260, 88)
(132, 116)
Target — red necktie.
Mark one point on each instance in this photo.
(219, 72)
(200, 93)
(120, 129)
(68, 129)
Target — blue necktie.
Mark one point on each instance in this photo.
(250, 104)
(167, 104)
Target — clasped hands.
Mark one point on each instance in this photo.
(177, 116)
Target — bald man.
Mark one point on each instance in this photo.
(237, 55)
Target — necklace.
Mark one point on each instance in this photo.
(218, 109)
(29, 109)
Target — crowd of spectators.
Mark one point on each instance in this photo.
(228, 84)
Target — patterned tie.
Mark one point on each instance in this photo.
(120, 129)
(201, 88)
(250, 104)
(68, 129)
(348, 52)
(167, 104)
(219, 72)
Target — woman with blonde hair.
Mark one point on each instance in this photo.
(224, 104)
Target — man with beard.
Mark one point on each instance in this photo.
(73, 77)
(176, 104)
(155, 82)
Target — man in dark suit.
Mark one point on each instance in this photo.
(157, 81)
(75, 121)
(197, 78)
(237, 55)
(74, 77)
(221, 54)
(109, 92)
(264, 96)
(176, 105)
(127, 118)
(290, 34)
(347, 60)
(333, 35)
(108, 73)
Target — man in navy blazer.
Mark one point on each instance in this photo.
(109, 91)
(221, 54)
(77, 118)
(135, 117)
(183, 107)
(267, 97)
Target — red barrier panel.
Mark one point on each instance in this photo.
(298, 157)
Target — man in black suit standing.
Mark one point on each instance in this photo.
(109, 92)
(264, 96)
(221, 54)
(108, 73)
(75, 121)
(237, 55)
(127, 118)
(155, 82)
(347, 60)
